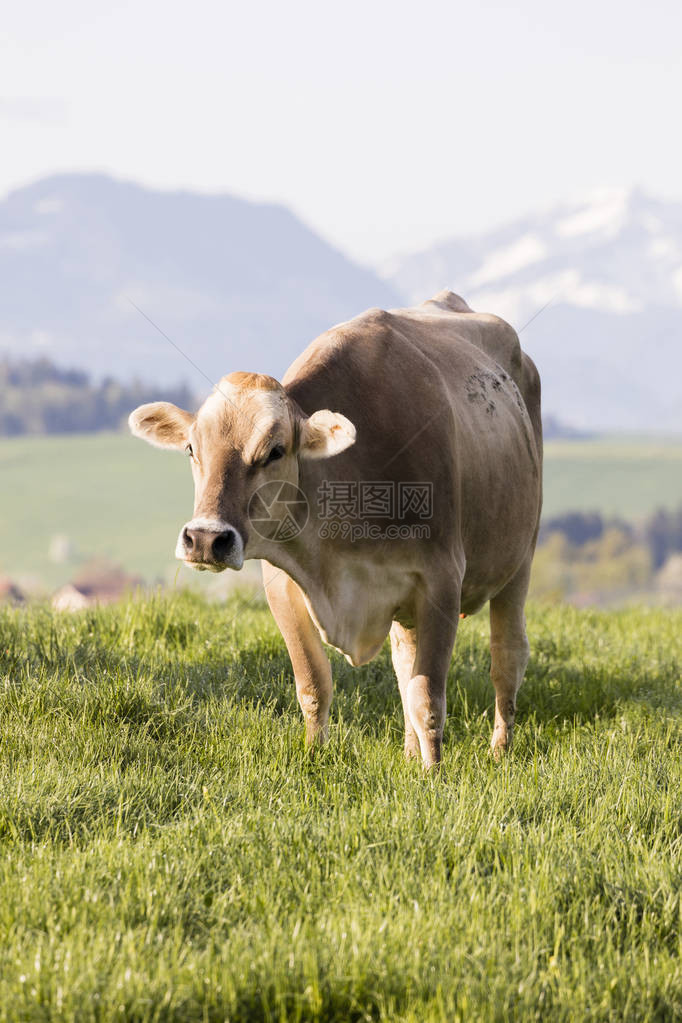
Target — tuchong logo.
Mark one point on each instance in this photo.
(278, 511)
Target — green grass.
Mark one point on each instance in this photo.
(627, 478)
(117, 498)
(111, 495)
(170, 852)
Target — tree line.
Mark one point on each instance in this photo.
(660, 532)
(38, 397)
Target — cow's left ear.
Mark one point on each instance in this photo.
(325, 433)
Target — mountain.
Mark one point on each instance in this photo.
(241, 285)
(234, 284)
(609, 271)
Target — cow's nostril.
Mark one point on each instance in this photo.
(188, 539)
(223, 545)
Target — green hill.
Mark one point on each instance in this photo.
(113, 496)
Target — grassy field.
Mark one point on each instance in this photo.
(117, 498)
(616, 477)
(170, 852)
(111, 495)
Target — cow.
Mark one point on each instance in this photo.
(425, 424)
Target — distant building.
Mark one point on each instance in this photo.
(669, 579)
(10, 593)
(98, 583)
(61, 549)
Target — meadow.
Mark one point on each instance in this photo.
(114, 497)
(171, 852)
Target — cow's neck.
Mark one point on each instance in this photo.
(349, 598)
(351, 604)
(302, 557)
(300, 561)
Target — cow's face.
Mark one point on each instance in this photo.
(246, 434)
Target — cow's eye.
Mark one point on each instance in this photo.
(277, 452)
(189, 451)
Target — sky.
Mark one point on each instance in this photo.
(384, 125)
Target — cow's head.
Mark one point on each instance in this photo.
(247, 433)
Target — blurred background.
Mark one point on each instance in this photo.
(188, 193)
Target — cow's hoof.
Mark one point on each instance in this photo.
(315, 737)
(411, 751)
(500, 745)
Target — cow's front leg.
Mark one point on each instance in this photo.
(436, 627)
(312, 670)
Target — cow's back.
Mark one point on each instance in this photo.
(444, 394)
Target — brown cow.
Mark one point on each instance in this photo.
(416, 499)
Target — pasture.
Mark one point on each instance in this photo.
(117, 498)
(170, 852)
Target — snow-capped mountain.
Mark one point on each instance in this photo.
(595, 287)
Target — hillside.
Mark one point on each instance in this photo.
(610, 267)
(112, 497)
(235, 284)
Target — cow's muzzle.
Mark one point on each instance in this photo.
(210, 544)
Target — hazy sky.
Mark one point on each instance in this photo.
(384, 125)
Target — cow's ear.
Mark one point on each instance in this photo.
(325, 433)
(162, 424)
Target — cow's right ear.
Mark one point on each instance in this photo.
(162, 424)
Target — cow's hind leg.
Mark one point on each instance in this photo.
(312, 670)
(436, 627)
(509, 652)
(403, 653)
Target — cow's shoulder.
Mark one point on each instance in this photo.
(352, 347)
(374, 324)
(405, 345)
(448, 319)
